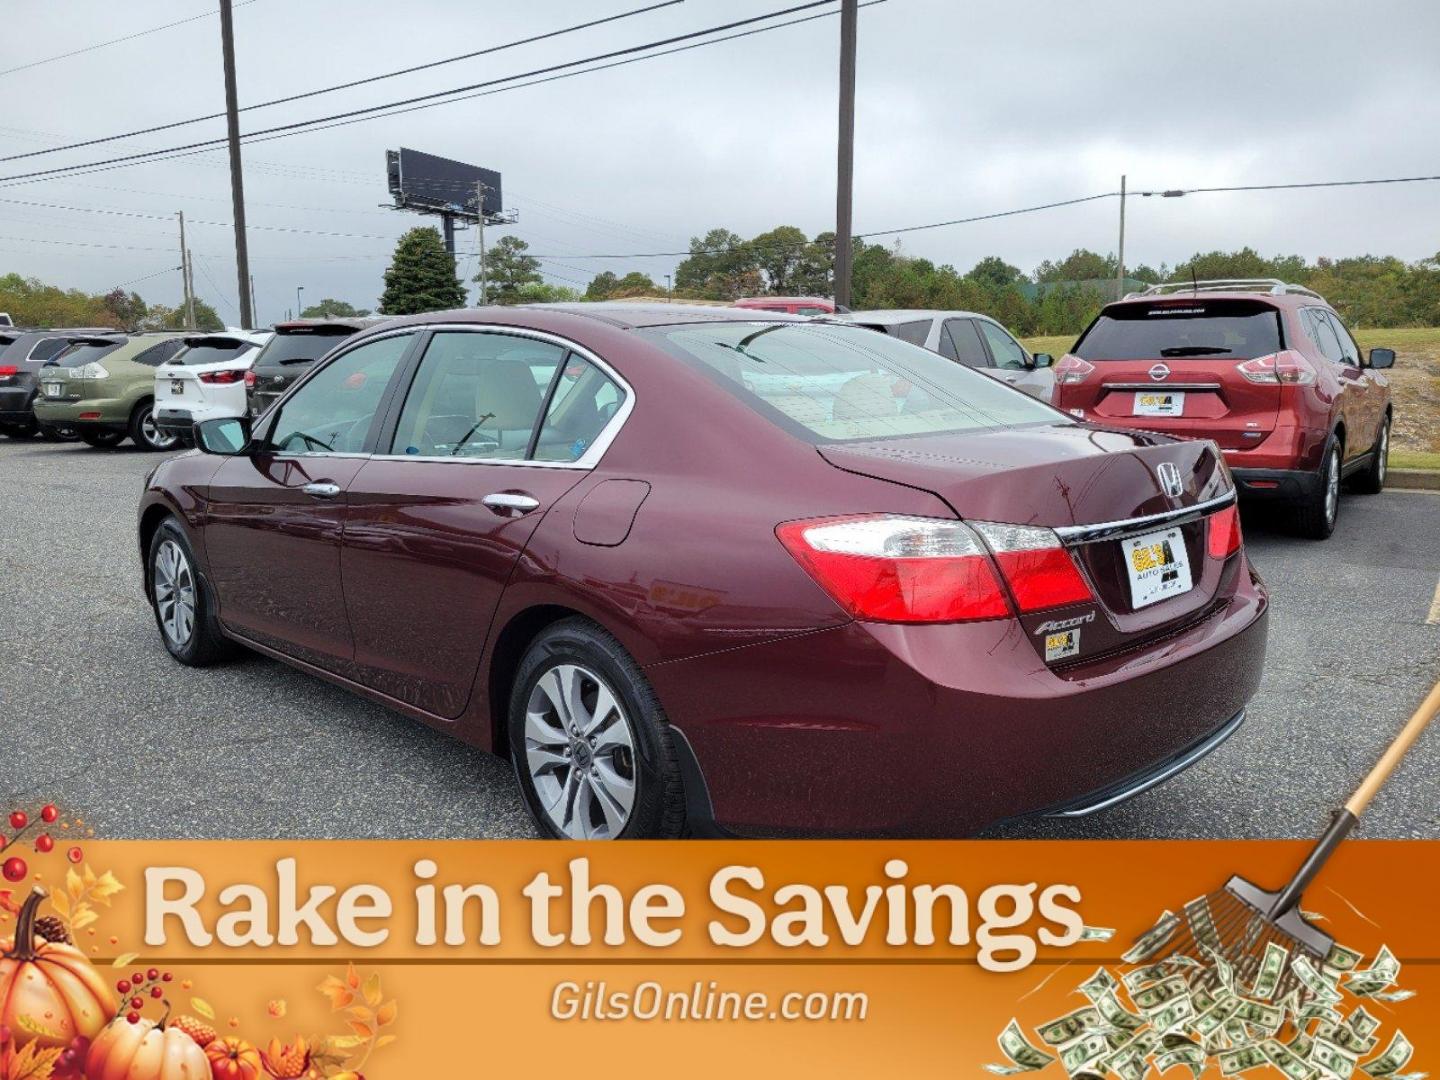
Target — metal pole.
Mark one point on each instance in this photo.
(298, 306)
(186, 309)
(237, 180)
(191, 323)
(254, 307)
(480, 225)
(1120, 265)
(669, 292)
(846, 159)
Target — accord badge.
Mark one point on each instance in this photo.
(1170, 479)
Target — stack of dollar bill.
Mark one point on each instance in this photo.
(1183, 1010)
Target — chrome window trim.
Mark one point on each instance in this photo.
(1110, 530)
(593, 453)
(1153, 386)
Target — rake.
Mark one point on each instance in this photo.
(1238, 922)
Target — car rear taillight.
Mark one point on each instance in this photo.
(898, 569)
(1071, 369)
(7, 370)
(249, 380)
(1040, 572)
(223, 378)
(1282, 367)
(1222, 533)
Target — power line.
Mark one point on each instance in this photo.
(117, 41)
(342, 86)
(1174, 192)
(147, 277)
(429, 100)
(196, 221)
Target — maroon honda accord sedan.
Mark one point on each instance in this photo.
(706, 571)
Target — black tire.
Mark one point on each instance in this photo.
(26, 430)
(144, 433)
(657, 810)
(1315, 517)
(101, 438)
(204, 644)
(1372, 480)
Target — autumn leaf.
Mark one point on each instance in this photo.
(277, 1008)
(372, 989)
(84, 915)
(352, 977)
(361, 1013)
(339, 994)
(59, 901)
(343, 1042)
(7, 902)
(124, 959)
(105, 887)
(365, 1031)
(33, 1063)
(386, 1013)
(384, 1040)
(203, 1007)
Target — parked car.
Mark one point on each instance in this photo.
(794, 305)
(103, 385)
(205, 379)
(295, 346)
(975, 340)
(23, 353)
(5, 319)
(916, 601)
(1266, 369)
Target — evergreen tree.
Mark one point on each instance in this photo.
(421, 276)
(509, 271)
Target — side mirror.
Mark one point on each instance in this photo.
(1382, 358)
(1042, 360)
(229, 435)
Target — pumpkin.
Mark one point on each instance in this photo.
(233, 1059)
(145, 1050)
(49, 993)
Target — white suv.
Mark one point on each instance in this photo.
(205, 380)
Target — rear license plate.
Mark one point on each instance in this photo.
(1159, 403)
(53, 389)
(177, 387)
(1158, 565)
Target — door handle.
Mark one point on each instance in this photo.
(322, 489)
(509, 503)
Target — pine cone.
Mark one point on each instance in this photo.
(52, 929)
(198, 1030)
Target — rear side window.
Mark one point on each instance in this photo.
(80, 355)
(158, 354)
(826, 382)
(959, 340)
(1174, 328)
(47, 350)
(292, 349)
(913, 332)
(583, 402)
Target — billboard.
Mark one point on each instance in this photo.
(425, 182)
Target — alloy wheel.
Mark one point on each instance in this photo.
(154, 437)
(1332, 485)
(580, 753)
(174, 593)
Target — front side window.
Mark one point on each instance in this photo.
(1348, 349)
(477, 395)
(961, 341)
(1324, 336)
(1178, 327)
(827, 382)
(1006, 350)
(332, 412)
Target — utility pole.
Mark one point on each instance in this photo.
(298, 306)
(1120, 262)
(254, 307)
(237, 180)
(480, 224)
(186, 308)
(845, 171)
(191, 323)
(669, 292)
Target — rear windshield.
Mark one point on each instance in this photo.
(44, 349)
(209, 353)
(79, 355)
(829, 383)
(300, 347)
(1173, 328)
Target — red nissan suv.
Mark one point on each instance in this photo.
(1266, 369)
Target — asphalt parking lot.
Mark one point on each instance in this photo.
(98, 717)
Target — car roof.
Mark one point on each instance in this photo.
(633, 316)
(358, 322)
(887, 316)
(783, 300)
(239, 337)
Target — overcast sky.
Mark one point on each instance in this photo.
(964, 108)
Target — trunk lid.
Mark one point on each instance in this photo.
(1081, 481)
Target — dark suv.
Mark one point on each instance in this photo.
(22, 354)
(1265, 369)
(289, 354)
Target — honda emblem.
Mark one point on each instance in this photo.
(1159, 372)
(1170, 479)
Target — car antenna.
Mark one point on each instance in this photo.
(1194, 284)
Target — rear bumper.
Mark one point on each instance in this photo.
(99, 412)
(17, 405)
(871, 729)
(178, 420)
(1284, 485)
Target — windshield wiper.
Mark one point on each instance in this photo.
(1194, 350)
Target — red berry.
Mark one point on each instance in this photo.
(133, 1017)
(19, 819)
(44, 844)
(123, 986)
(166, 977)
(138, 978)
(49, 814)
(14, 869)
(137, 1003)
(75, 854)
(157, 992)
(152, 974)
